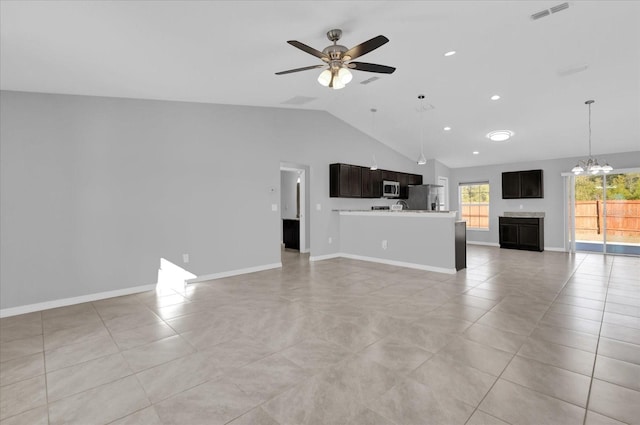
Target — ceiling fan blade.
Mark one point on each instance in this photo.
(366, 47)
(371, 67)
(308, 49)
(306, 68)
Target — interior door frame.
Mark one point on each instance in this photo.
(304, 214)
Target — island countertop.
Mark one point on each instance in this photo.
(402, 213)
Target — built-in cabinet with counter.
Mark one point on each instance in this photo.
(522, 233)
(354, 181)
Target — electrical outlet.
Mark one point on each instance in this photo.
(520, 206)
(318, 207)
(384, 244)
(330, 240)
(185, 258)
(274, 207)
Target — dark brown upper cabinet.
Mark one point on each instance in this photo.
(354, 181)
(522, 184)
(390, 175)
(371, 183)
(345, 181)
(407, 180)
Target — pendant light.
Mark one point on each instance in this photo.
(421, 159)
(591, 165)
(374, 163)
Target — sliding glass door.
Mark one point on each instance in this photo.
(604, 213)
(623, 213)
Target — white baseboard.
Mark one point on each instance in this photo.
(384, 261)
(30, 308)
(482, 243)
(324, 257)
(235, 272)
(554, 248)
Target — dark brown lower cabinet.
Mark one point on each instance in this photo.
(522, 233)
(291, 233)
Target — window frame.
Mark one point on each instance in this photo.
(478, 217)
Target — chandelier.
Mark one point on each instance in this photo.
(591, 165)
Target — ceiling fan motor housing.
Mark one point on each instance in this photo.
(335, 52)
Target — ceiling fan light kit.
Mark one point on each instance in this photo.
(337, 59)
(591, 165)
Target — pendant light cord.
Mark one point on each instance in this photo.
(589, 130)
(421, 97)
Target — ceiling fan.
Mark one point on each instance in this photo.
(338, 58)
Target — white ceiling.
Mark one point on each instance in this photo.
(227, 52)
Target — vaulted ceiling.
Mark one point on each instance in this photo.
(227, 52)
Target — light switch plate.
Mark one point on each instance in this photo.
(274, 207)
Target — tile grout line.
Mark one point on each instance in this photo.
(516, 353)
(595, 360)
(44, 363)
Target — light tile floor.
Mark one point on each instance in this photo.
(516, 338)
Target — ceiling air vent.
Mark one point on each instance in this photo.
(369, 80)
(559, 7)
(541, 14)
(572, 70)
(547, 12)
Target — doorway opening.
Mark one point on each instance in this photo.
(294, 207)
(443, 193)
(604, 212)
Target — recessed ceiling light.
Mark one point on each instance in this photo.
(495, 97)
(447, 128)
(500, 135)
(450, 53)
(476, 152)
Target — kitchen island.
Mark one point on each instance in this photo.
(425, 240)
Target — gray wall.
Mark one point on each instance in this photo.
(94, 191)
(552, 204)
(434, 169)
(427, 240)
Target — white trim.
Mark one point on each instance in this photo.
(482, 243)
(445, 187)
(234, 272)
(304, 251)
(399, 263)
(554, 249)
(324, 257)
(30, 308)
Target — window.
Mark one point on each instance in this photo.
(474, 204)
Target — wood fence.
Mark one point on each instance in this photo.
(623, 218)
(476, 215)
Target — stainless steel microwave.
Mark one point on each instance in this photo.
(390, 189)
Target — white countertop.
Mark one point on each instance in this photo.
(403, 213)
(524, 214)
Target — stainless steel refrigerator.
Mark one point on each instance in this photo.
(424, 197)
